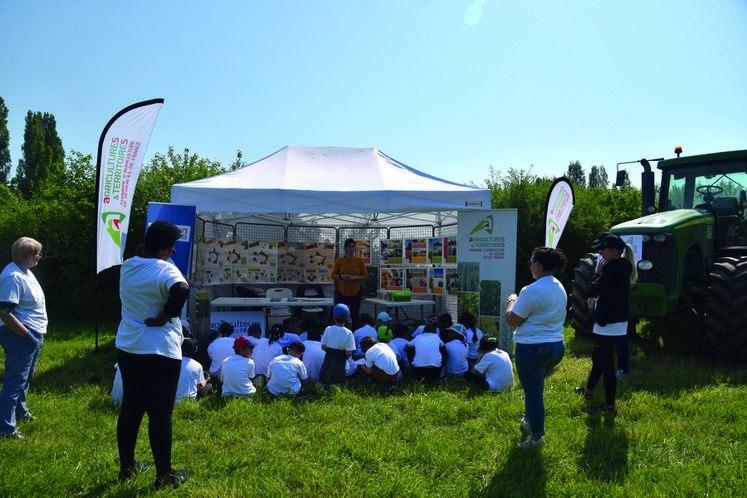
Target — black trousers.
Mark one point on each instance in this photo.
(149, 384)
(603, 365)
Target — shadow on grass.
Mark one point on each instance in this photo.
(522, 474)
(605, 454)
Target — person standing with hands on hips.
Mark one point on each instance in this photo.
(538, 313)
(350, 271)
(611, 285)
(149, 352)
(24, 322)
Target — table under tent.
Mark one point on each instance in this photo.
(325, 195)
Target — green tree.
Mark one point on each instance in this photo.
(598, 177)
(4, 144)
(156, 179)
(576, 174)
(595, 211)
(43, 155)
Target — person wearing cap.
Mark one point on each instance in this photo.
(192, 379)
(349, 272)
(338, 344)
(456, 351)
(493, 369)
(610, 284)
(287, 374)
(238, 370)
(383, 330)
(382, 364)
(364, 328)
(538, 313)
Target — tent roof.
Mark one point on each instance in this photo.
(318, 180)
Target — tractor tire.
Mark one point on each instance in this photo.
(581, 308)
(726, 318)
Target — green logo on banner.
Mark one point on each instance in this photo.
(486, 224)
(112, 219)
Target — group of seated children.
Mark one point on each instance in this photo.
(285, 361)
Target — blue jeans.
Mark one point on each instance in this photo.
(533, 363)
(21, 354)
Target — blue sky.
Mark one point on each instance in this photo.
(449, 87)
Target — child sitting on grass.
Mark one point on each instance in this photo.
(192, 381)
(381, 363)
(384, 331)
(338, 344)
(238, 370)
(286, 374)
(493, 370)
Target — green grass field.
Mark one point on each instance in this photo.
(680, 431)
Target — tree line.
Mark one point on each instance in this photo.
(52, 199)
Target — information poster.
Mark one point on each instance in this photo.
(392, 279)
(416, 251)
(437, 281)
(291, 262)
(452, 281)
(436, 250)
(363, 250)
(418, 280)
(392, 252)
(487, 245)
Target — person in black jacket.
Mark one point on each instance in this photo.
(610, 284)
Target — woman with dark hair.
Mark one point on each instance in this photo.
(474, 336)
(149, 352)
(538, 313)
(350, 271)
(611, 283)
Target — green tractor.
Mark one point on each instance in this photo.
(691, 252)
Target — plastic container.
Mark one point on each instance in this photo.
(400, 296)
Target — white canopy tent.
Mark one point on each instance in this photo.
(329, 186)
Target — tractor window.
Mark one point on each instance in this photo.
(692, 186)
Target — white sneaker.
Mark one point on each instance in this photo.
(525, 427)
(531, 443)
(620, 375)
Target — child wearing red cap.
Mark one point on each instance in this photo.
(238, 370)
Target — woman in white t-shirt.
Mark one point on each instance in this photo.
(538, 313)
(24, 323)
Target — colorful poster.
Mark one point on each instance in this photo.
(318, 276)
(363, 250)
(452, 281)
(392, 279)
(436, 250)
(418, 280)
(291, 255)
(122, 147)
(451, 249)
(437, 281)
(320, 256)
(262, 255)
(392, 252)
(213, 253)
(416, 251)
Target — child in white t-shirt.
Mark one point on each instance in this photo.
(456, 351)
(493, 370)
(192, 381)
(286, 374)
(238, 370)
(339, 344)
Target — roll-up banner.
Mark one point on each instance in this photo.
(558, 208)
(184, 218)
(121, 151)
